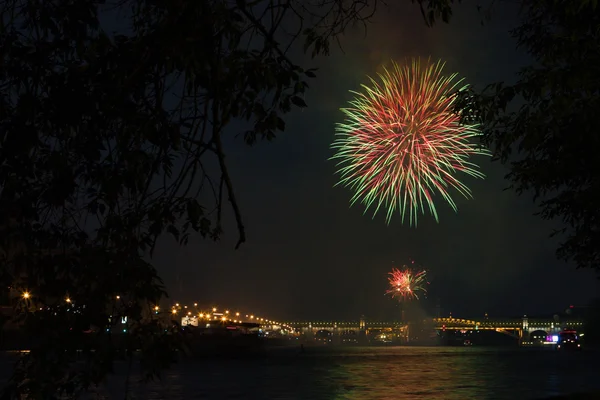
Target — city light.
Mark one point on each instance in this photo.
(225, 316)
(156, 308)
(26, 295)
(68, 299)
(118, 297)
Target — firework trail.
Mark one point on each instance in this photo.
(405, 284)
(402, 142)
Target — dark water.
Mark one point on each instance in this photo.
(375, 373)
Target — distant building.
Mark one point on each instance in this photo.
(189, 320)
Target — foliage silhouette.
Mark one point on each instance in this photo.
(111, 137)
(545, 125)
(592, 323)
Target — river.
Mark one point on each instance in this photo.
(374, 373)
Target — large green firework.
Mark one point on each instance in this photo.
(402, 142)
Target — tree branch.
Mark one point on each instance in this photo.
(232, 199)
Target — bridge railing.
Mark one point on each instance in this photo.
(531, 324)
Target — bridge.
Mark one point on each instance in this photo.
(198, 315)
(526, 329)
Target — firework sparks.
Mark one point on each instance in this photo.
(405, 284)
(402, 142)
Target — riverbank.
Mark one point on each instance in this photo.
(578, 396)
(196, 345)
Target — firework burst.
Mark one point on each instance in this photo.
(405, 284)
(402, 142)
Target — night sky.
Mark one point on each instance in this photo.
(309, 256)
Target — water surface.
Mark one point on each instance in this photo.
(374, 373)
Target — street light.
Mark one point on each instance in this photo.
(68, 299)
(26, 295)
(214, 309)
(174, 311)
(118, 297)
(156, 308)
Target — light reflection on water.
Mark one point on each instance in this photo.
(375, 373)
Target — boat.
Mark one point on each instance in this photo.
(568, 340)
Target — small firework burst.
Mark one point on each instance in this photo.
(404, 284)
